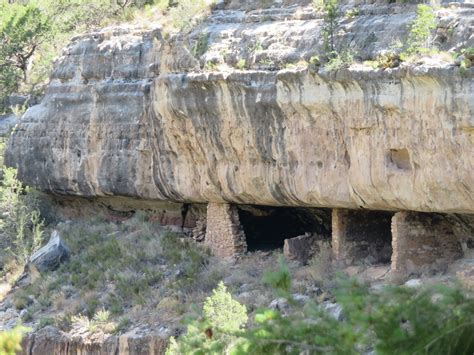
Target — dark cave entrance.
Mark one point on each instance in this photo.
(266, 227)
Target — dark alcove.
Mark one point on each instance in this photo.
(267, 227)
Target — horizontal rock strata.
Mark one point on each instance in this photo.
(129, 113)
(52, 341)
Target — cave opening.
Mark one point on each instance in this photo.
(267, 227)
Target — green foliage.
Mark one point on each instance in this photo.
(394, 320)
(10, 341)
(162, 5)
(45, 321)
(331, 14)
(467, 61)
(23, 28)
(99, 322)
(241, 64)
(314, 60)
(118, 267)
(223, 312)
(33, 32)
(419, 39)
(215, 332)
(434, 320)
(279, 280)
(309, 331)
(340, 60)
(201, 45)
(186, 12)
(389, 59)
(21, 222)
(352, 13)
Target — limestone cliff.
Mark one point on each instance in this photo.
(132, 112)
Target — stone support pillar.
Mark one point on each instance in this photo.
(224, 234)
(339, 232)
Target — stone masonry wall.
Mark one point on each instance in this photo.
(422, 242)
(339, 221)
(361, 235)
(224, 234)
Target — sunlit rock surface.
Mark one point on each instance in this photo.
(130, 113)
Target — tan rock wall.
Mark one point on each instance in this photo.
(224, 234)
(51, 341)
(128, 113)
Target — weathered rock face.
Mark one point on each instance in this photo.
(129, 113)
(51, 341)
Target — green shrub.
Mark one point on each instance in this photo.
(223, 312)
(10, 341)
(279, 280)
(241, 64)
(99, 322)
(21, 222)
(201, 45)
(45, 321)
(214, 332)
(331, 14)
(468, 60)
(340, 60)
(352, 13)
(386, 60)
(186, 13)
(419, 38)
(314, 63)
(394, 320)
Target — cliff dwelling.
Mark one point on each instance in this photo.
(175, 150)
(266, 228)
(411, 242)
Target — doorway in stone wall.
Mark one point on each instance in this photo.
(267, 227)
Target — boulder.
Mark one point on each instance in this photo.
(300, 248)
(414, 283)
(51, 255)
(334, 309)
(6, 124)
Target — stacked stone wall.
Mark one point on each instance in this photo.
(224, 234)
(422, 242)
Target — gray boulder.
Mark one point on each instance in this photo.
(7, 122)
(51, 255)
(300, 248)
(334, 309)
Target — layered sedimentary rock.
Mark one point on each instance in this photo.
(130, 113)
(50, 340)
(231, 113)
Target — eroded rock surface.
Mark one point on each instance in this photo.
(52, 341)
(130, 113)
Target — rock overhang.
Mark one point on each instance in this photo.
(124, 116)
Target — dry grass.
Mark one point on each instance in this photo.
(137, 272)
